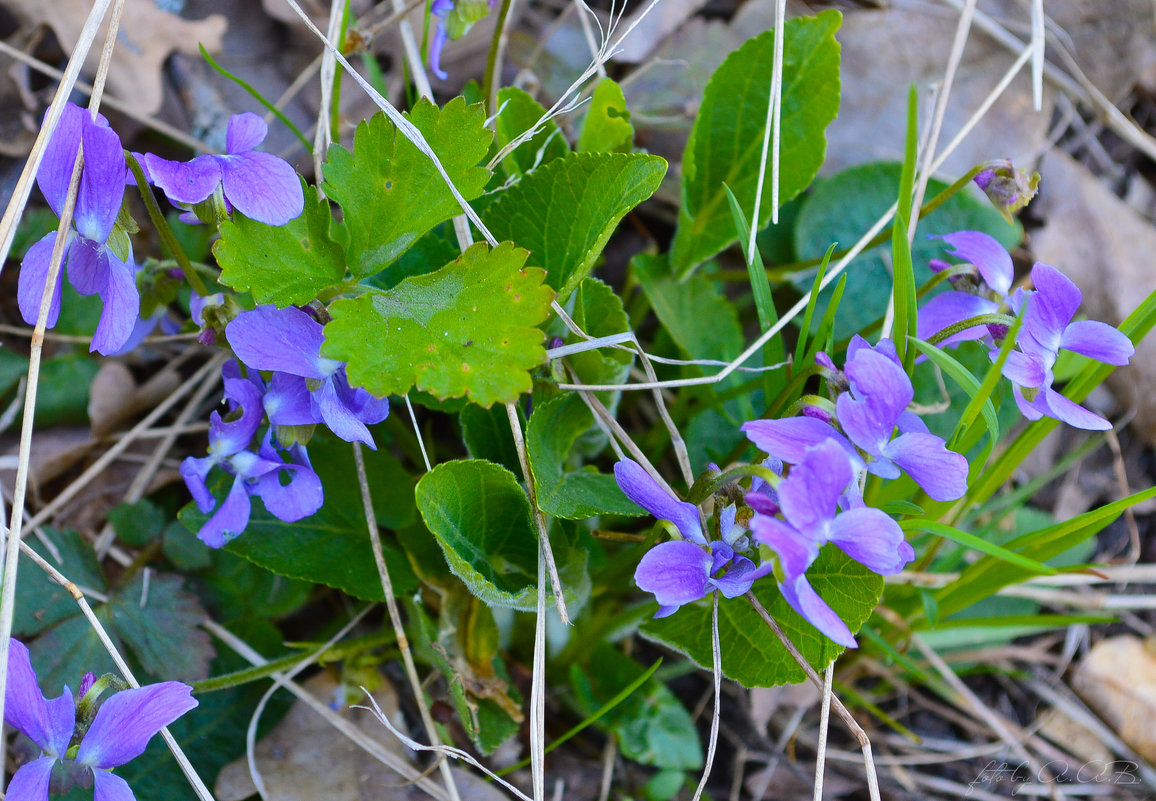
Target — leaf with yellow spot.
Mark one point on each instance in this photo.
(469, 329)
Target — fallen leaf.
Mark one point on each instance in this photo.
(304, 758)
(146, 37)
(1098, 241)
(884, 52)
(1073, 737)
(1117, 679)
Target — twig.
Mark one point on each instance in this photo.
(716, 670)
(359, 738)
(395, 618)
(539, 516)
(824, 720)
(840, 709)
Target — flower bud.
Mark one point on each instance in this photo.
(1008, 188)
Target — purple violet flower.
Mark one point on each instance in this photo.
(306, 388)
(985, 291)
(256, 473)
(1048, 328)
(91, 265)
(440, 9)
(120, 731)
(260, 185)
(809, 497)
(682, 571)
(874, 406)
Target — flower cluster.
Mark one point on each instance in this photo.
(825, 456)
(984, 287)
(79, 740)
(304, 389)
(98, 256)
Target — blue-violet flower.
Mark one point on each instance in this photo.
(118, 733)
(92, 266)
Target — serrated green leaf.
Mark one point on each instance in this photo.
(391, 193)
(162, 627)
(518, 114)
(598, 310)
(566, 210)
(137, 524)
(287, 264)
(577, 494)
(751, 654)
(481, 519)
(725, 145)
(842, 207)
(607, 127)
(332, 547)
(466, 330)
(40, 601)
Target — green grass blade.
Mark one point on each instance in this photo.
(902, 268)
(825, 336)
(963, 377)
(816, 287)
(774, 352)
(276, 112)
(976, 543)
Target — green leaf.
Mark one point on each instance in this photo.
(287, 264)
(578, 494)
(977, 543)
(481, 519)
(726, 143)
(607, 127)
(845, 205)
(566, 210)
(902, 267)
(487, 435)
(651, 726)
(64, 387)
(467, 329)
(751, 654)
(40, 601)
(518, 114)
(162, 627)
(332, 547)
(137, 524)
(391, 193)
(597, 309)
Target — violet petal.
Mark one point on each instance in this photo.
(121, 305)
(229, 520)
(941, 473)
(988, 255)
(30, 286)
(810, 494)
(47, 723)
(245, 132)
(872, 538)
(1098, 341)
(739, 577)
(287, 402)
(195, 472)
(1052, 307)
(1023, 369)
(110, 787)
(804, 600)
(796, 552)
(101, 183)
(288, 340)
(300, 498)
(639, 487)
(1070, 412)
(262, 187)
(55, 172)
(329, 409)
(675, 572)
(788, 438)
(949, 308)
(126, 722)
(185, 181)
(30, 782)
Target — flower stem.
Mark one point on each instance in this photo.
(491, 78)
(163, 229)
